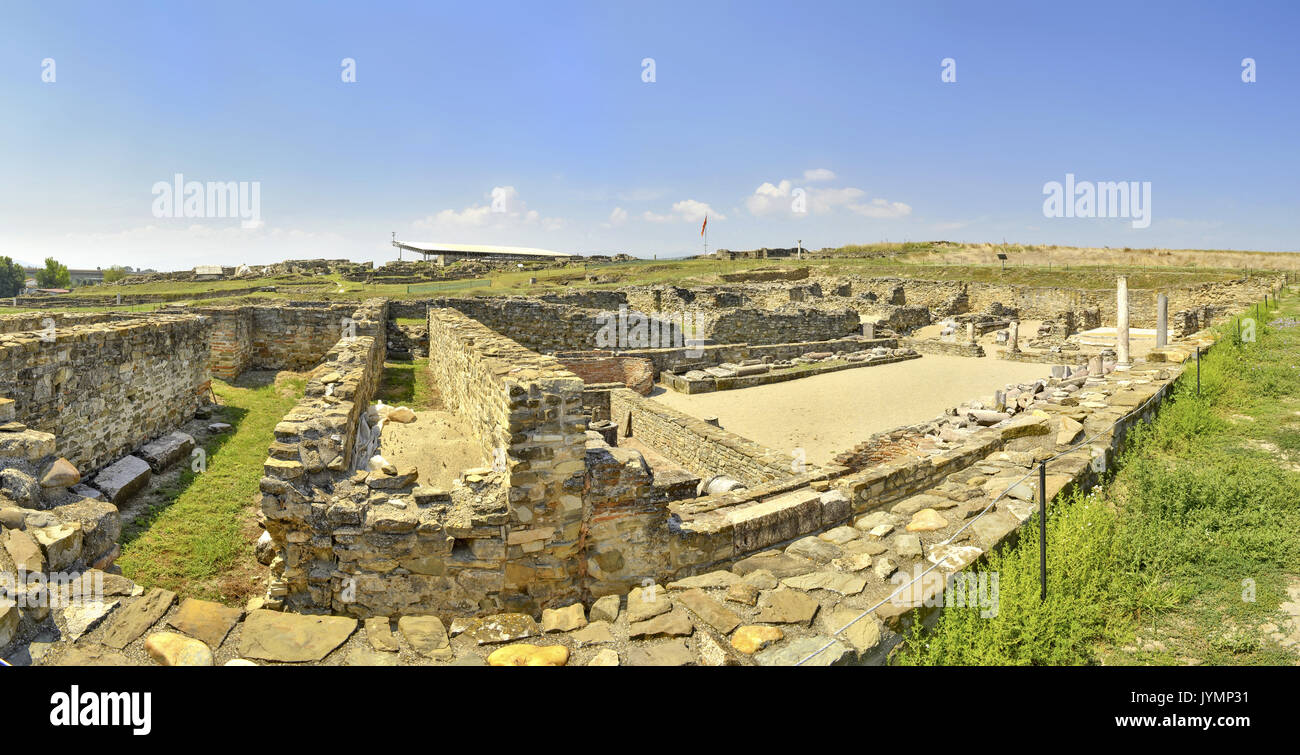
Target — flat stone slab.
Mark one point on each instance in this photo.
(794, 651)
(165, 451)
(647, 602)
(672, 653)
(835, 581)
(205, 620)
(84, 616)
(380, 634)
(123, 478)
(709, 610)
(427, 635)
(132, 621)
(779, 564)
(675, 623)
(292, 637)
(501, 627)
(786, 607)
(93, 655)
(711, 580)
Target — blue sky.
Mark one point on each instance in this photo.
(544, 105)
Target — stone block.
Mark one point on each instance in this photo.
(165, 451)
(123, 478)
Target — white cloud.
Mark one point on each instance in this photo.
(617, 217)
(818, 174)
(687, 210)
(504, 209)
(785, 198)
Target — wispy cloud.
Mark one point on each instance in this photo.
(505, 209)
(687, 210)
(786, 199)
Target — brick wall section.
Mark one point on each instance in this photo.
(107, 388)
(695, 444)
(637, 373)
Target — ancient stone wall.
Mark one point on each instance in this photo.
(787, 325)
(693, 443)
(1037, 302)
(25, 321)
(312, 451)
(104, 389)
(284, 336)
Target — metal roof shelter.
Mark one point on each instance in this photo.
(448, 253)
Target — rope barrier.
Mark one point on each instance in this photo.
(985, 510)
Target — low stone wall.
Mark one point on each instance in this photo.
(31, 321)
(104, 389)
(693, 443)
(696, 357)
(949, 348)
(757, 326)
(65, 301)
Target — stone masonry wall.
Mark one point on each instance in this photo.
(698, 446)
(527, 411)
(289, 336)
(104, 389)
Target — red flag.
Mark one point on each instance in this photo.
(706, 225)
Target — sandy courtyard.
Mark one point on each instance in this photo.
(827, 414)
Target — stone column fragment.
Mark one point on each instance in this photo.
(1122, 361)
(1162, 320)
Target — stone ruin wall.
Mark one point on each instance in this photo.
(282, 336)
(528, 412)
(1046, 303)
(704, 449)
(104, 389)
(34, 321)
(312, 451)
(371, 544)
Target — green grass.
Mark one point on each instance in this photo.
(408, 384)
(198, 540)
(1154, 567)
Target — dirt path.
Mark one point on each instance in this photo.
(827, 414)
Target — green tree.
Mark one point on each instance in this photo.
(12, 277)
(53, 275)
(115, 273)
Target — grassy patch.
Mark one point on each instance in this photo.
(1181, 555)
(408, 384)
(199, 540)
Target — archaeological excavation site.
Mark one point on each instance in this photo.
(779, 467)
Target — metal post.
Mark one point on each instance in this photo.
(1198, 370)
(1042, 530)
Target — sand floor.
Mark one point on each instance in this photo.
(436, 443)
(827, 414)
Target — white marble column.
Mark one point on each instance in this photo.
(1122, 360)
(1013, 340)
(1162, 320)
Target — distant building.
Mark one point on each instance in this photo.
(79, 277)
(756, 254)
(209, 272)
(445, 254)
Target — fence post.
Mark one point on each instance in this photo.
(1198, 371)
(1042, 530)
